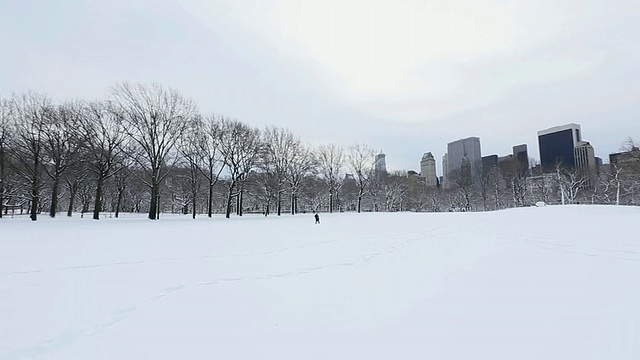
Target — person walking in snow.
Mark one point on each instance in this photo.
(317, 218)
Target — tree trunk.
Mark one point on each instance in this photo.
(229, 198)
(158, 205)
(34, 206)
(54, 196)
(194, 194)
(240, 199)
(238, 203)
(34, 200)
(1, 181)
(72, 197)
(153, 203)
(119, 202)
(279, 201)
(97, 205)
(210, 201)
(330, 201)
(293, 202)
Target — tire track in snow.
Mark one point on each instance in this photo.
(596, 251)
(211, 257)
(121, 314)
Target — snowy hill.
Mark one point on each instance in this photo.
(559, 282)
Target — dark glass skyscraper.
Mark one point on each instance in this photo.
(557, 145)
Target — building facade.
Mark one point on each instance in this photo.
(445, 178)
(489, 162)
(586, 162)
(521, 155)
(626, 158)
(557, 145)
(468, 148)
(428, 170)
(585, 157)
(380, 164)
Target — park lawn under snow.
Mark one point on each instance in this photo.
(560, 282)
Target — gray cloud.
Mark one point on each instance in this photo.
(500, 70)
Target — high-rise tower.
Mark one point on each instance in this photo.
(557, 146)
(428, 170)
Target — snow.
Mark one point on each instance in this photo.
(554, 282)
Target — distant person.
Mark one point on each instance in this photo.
(317, 218)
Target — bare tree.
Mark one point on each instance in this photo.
(104, 138)
(61, 146)
(331, 161)
(280, 146)
(516, 177)
(542, 186)
(240, 147)
(483, 181)
(155, 118)
(121, 180)
(31, 112)
(360, 160)
(298, 169)
(464, 183)
(75, 178)
(211, 157)
(5, 132)
(435, 199)
(570, 182)
(395, 188)
(190, 147)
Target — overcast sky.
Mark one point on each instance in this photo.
(403, 76)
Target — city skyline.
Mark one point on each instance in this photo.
(407, 77)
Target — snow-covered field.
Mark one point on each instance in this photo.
(534, 283)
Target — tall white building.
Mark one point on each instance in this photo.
(428, 170)
(585, 156)
(458, 150)
(585, 159)
(445, 178)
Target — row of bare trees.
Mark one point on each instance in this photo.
(151, 137)
(147, 148)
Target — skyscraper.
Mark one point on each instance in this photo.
(445, 167)
(521, 155)
(380, 165)
(557, 146)
(488, 162)
(459, 149)
(428, 170)
(585, 156)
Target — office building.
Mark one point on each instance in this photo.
(468, 148)
(521, 155)
(445, 179)
(428, 170)
(557, 146)
(626, 158)
(380, 165)
(586, 162)
(585, 157)
(488, 162)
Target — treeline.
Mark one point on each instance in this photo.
(147, 148)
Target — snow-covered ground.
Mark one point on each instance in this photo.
(559, 282)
